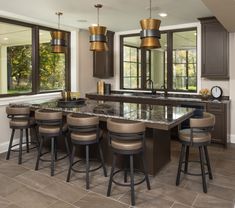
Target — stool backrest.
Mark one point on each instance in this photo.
(82, 123)
(207, 121)
(125, 129)
(48, 117)
(17, 112)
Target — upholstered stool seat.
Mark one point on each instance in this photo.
(84, 130)
(127, 138)
(21, 120)
(199, 135)
(52, 127)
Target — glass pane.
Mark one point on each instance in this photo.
(126, 83)
(15, 59)
(184, 60)
(127, 69)
(126, 54)
(52, 65)
(158, 65)
(133, 57)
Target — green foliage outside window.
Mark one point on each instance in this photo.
(19, 69)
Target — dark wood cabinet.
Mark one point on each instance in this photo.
(215, 49)
(221, 129)
(103, 61)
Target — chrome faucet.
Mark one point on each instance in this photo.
(151, 86)
(165, 90)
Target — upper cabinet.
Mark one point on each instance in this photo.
(215, 49)
(103, 61)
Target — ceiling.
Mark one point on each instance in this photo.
(117, 15)
(224, 12)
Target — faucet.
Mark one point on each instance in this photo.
(165, 90)
(151, 86)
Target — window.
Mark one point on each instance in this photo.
(173, 66)
(51, 65)
(184, 61)
(15, 59)
(27, 65)
(132, 66)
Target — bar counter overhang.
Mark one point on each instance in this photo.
(159, 121)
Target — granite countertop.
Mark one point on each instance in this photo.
(154, 116)
(158, 96)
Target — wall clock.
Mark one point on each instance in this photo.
(216, 92)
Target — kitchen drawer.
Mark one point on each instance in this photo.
(218, 107)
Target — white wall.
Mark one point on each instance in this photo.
(232, 84)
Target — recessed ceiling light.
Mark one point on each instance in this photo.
(82, 20)
(5, 38)
(163, 14)
(94, 24)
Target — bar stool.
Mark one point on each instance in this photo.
(198, 135)
(20, 119)
(50, 127)
(84, 130)
(127, 138)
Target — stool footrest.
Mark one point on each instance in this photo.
(23, 149)
(83, 171)
(193, 174)
(49, 160)
(128, 184)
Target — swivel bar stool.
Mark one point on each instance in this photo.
(84, 130)
(127, 138)
(199, 135)
(50, 127)
(20, 119)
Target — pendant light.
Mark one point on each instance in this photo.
(98, 39)
(150, 33)
(58, 41)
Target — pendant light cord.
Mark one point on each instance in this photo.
(98, 16)
(150, 9)
(59, 14)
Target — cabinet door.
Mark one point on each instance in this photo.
(103, 61)
(214, 50)
(219, 134)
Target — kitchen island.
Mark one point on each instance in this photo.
(159, 121)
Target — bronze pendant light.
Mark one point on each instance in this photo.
(58, 41)
(98, 39)
(150, 33)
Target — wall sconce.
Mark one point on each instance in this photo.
(150, 33)
(98, 39)
(58, 41)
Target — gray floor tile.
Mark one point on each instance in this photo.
(29, 198)
(177, 205)
(205, 201)
(4, 202)
(8, 185)
(92, 200)
(61, 204)
(213, 190)
(35, 179)
(64, 191)
(12, 170)
(173, 193)
(144, 199)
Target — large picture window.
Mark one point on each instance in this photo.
(27, 65)
(172, 67)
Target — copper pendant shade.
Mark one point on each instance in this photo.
(58, 41)
(150, 33)
(98, 39)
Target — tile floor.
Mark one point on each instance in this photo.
(22, 187)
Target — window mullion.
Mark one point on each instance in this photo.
(35, 59)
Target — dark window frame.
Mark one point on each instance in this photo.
(35, 57)
(169, 73)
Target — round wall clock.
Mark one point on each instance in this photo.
(216, 92)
